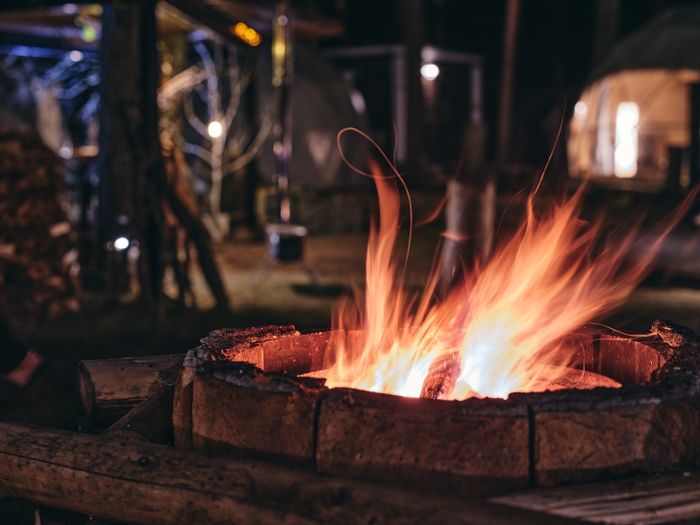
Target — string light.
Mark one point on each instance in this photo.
(429, 71)
(247, 34)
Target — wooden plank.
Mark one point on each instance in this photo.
(110, 388)
(151, 484)
(182, 406)
(151, 421)
(643, 500)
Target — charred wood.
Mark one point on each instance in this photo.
(442, 376)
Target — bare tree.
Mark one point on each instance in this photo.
(226, 148)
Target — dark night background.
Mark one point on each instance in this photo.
(555, 48)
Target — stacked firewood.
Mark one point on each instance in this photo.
(35, 245)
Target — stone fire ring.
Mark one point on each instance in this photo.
(239, 394)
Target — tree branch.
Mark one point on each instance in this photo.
(193, 119)
(199, 151)
(183, 82)
(236, 91)
(253, 149)
(214, 99)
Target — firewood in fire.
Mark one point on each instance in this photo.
(674, 335)
(442, 376)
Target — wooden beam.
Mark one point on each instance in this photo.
(129, 160)
(207, 15)
(151, 421)
(151, 484)
(664, 498)
(110, 388)
(24, 5)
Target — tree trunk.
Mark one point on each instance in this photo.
(130, 189)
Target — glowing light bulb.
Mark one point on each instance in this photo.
(65, 152)
(214, 129)
(247, 34)
(88, 33)
(429, 71)
(580, 109)
(121, 243)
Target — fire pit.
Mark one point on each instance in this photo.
(508, 396)
(243, 392)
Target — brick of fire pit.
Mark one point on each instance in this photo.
(241, 410)
(232, 344)
(651, 424)
(614, 438)
(470, 447)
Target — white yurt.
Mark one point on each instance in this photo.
(631, 126)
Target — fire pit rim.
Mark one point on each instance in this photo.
(550, 437)
(677, 378)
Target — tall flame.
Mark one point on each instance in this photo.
(488, 336)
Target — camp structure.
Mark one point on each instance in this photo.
(631, 127)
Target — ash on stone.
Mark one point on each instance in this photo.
(249, 376)
(674, 335)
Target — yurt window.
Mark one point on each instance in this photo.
(626, 139)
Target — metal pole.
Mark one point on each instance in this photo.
(510, 39)
(281, 80)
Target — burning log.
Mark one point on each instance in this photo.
(442, 376)
(111, 388)
(150, 484)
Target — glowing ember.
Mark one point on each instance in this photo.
(487, 336)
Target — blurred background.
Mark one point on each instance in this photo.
(168, 168)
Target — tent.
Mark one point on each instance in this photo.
(322, 105)
(632, 121)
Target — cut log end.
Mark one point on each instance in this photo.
(442, 376)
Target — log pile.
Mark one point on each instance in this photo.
(34, 240)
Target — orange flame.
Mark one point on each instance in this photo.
(492, 330)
